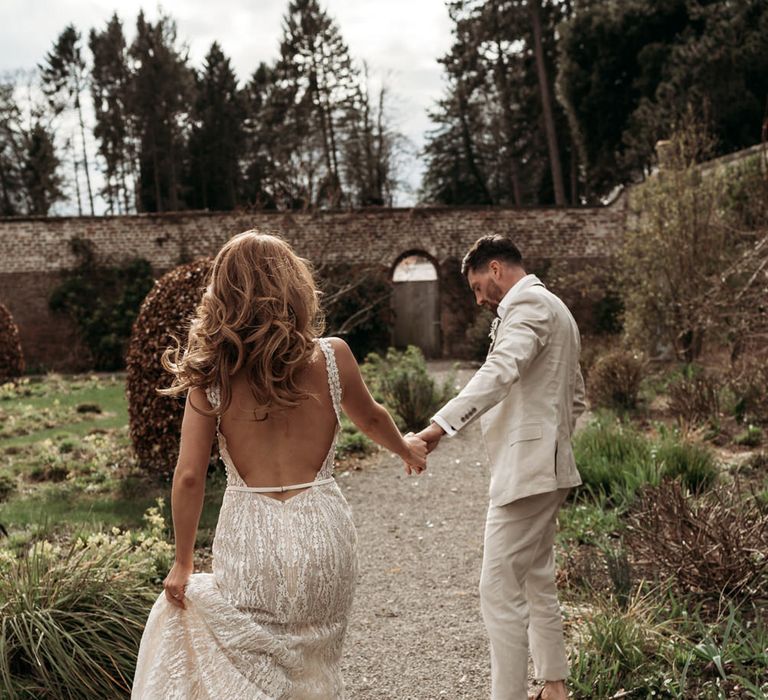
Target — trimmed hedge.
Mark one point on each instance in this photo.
(155, 420)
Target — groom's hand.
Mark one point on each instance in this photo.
(431, 435)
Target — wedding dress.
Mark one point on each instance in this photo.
(269, 622)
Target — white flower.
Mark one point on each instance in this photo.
(494, 328)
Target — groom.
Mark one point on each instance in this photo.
(528, 394)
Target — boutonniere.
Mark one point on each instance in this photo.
(494, 328)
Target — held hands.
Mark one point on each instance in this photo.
(175, 582)
(415, 454)
(431, 436)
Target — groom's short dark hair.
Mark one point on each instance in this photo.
(487, 248)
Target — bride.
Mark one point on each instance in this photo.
(269, 621)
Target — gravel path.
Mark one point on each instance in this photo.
(416, 632)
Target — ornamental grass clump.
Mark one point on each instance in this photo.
(72, 615)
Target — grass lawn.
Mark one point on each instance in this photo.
(65, 447)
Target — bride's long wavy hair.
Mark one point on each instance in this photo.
(260, 311)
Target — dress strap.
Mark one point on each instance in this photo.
(334, 382)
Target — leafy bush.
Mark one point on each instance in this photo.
(751, 437)
(401, 381)
(615, 461)
(11, 355)
(614, 380)
(478, 339)
(693, 464)
(7, 486)
(714, 545)
(155, 420)
(352, 441)
(694, 396)
(73, 615)
(102, 301)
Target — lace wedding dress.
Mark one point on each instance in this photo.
(269, 622)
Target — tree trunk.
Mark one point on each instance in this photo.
(503, 87)
(546, 105)
(85, 152)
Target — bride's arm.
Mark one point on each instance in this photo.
(370, 416)
(188, 490)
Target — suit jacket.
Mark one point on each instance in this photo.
(528, 395)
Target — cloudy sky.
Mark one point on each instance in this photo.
(400, 39)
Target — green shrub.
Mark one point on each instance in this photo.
(749, 388)
(478, 338)
(352, 441)
(72, 616)
(11, 355)
(693, 464)
(751, 437)
(102, 301)
(614, 380)
(401, 381)
(7, 486)
(155, 420)
(614, 460)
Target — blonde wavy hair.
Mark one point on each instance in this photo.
(260, 311)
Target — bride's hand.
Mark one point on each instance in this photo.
(415, 457)
(175, 582)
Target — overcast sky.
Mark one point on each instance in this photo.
(400, 39)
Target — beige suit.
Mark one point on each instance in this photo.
(528, 395)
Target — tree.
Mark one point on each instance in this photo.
(217, 136)
(161, 91)
(684, 261)
(628, 70)
(110, 90)
(64, 78)
(29, 174)
(499, 135)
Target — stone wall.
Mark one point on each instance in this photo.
(34, 251)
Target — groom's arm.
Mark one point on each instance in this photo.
(522, 334)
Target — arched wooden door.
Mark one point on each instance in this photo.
(416, 304)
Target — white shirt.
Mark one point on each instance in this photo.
(506, 300)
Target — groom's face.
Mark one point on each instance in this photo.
(485, 287)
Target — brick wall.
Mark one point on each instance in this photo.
(34, 251)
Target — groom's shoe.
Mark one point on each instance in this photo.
(551, 690)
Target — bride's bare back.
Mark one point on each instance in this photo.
(289, 445)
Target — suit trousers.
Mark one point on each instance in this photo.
(518, 597)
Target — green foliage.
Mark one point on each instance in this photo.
(478, 338)
(352, 441)
(615, 378)
(7, 486)
(401, 381)
(751, 437)
(693, 464)
(11, 356)
(103, 302)
(626, 70)
(615, 460)
(73, 614)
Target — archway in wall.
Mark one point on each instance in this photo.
(416, 303)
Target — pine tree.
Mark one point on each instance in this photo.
(110, 90)
(161, 92)
(64, 78)
(39, 172)
(217, 138)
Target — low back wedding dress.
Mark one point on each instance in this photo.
(269, 622)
